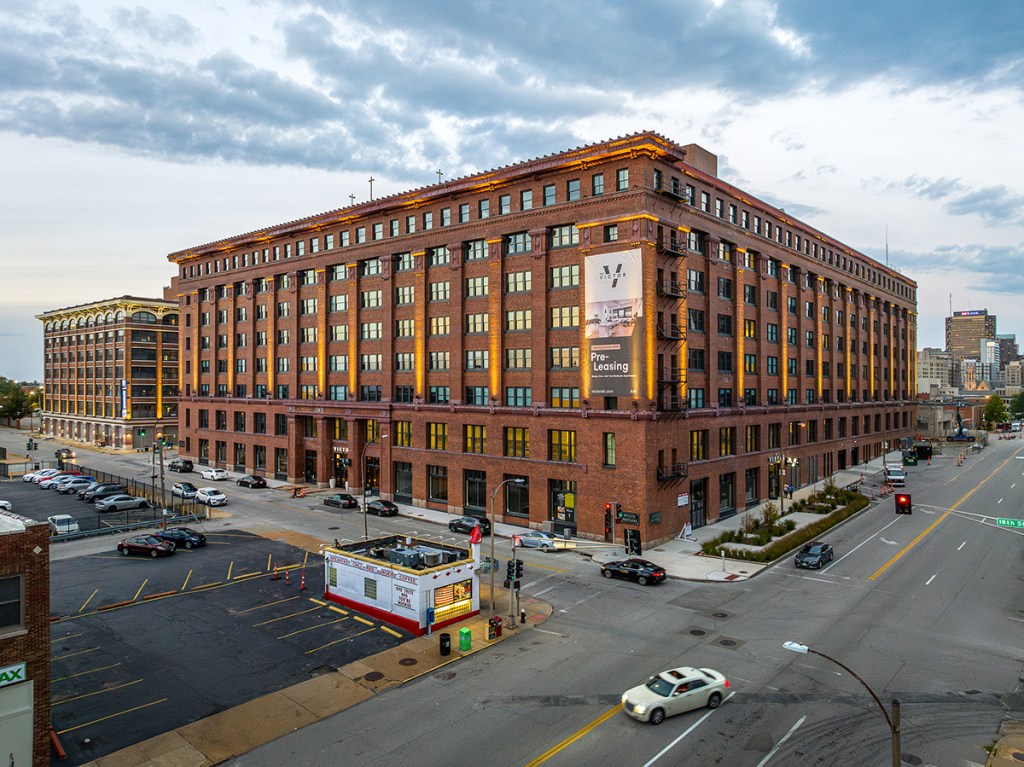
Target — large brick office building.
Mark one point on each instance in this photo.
(111, 372)
(609, 324)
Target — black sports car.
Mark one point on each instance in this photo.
(341, 501)
(250, 481)
(181, 537)
(634, 569)
(467, 523)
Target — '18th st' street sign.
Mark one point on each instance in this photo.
(1007, 522)
(13, 674)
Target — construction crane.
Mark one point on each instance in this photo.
(959, 434)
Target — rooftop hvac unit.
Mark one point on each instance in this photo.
(405, 557)
(431, 557)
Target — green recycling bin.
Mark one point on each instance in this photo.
(465, 639)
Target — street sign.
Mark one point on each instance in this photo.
(629, 518)
(1007, 522)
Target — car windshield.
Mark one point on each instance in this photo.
(660, 686)
(815, 549)
(152, 540)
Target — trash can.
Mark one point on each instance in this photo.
(497, 625)
(490, 630)
(446, 643)
(465, 640)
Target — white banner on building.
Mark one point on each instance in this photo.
(614, 330)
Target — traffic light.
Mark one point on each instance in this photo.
(618, 512)
(903, 505)
(510, 570)
(519, 569)
(633, 547)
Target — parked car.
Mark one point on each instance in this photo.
(382, 508)
(535, 539)
(35, 476)
(105, 490)
(63, 524)
(5, 505)
(250, 481)
(673, 692)
(214, 474)
(121, 502)
(145, 544)
(815, 555)
(183, 465)
(61, 484)
(211, 496)
(75, 484)
(467, 523)
(49, 482)
(342, 501)
(181, 536)
(634, 569)
(184, 490)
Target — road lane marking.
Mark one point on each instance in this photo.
(140, 589)
(866, 540)
(282, 617)
(83, 673)
(686, 732)
(87, 601)
(961, 545)
(782, 740)
(929, 581)
(935, 524)
(310, 628)
(1000, 500)
(559, 747)
(111, 716)
(545, 591)
(95, 692)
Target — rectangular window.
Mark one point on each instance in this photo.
(12, 602)
(475, 250)
(750, 363)
(405, 362)
(371, 331)
(438, 256)
(370, 299)
(725, 324)
(438, 395)
(477, 395)
(695, 281)
(437, 436)
(750, 328)
(565, 276)
(475, 438)
(518, 319)
(565, 357)
(564, 236)
(562, 445)
(565, 317)
(699, 445)
(695, 320)
(339, 332)
(565, 396)
(410, 224)
(440, 291)
(446, 216)
(404, 262)
(609, 448)
(518, 396)
(695, 397)
(518, 282)
(504, 204)
(526, 199)
(476, 287)
(517, 442)
(428, 221)
(339, 303)
(440, 360)
(477, 359)
(404, 295)
(484, 208)
(517, 243)
(464, 213)
(725, 288)
(518, 359)
(440, 326)
(549, 194)
(572, 189)
(597, 184)
(727, 441)
(370, 362)
(622, 179)
(477, 323)
(337, 363)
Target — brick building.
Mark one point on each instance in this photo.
(24, 640)
(609, 324)
(111, 372)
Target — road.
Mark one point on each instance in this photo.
(927, 609)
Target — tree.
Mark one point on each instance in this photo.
(15, 403)
(995, 410)
(1017, 404)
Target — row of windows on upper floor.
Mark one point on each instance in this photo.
(109, 318)
(772, 230)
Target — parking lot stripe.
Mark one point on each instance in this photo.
(320, 602)
(111, 716)
(206, 585)
(140, 589)
(343, 639)
(87, 601)
(268, 604)
(310, 628)
(73, 654)
(270, 562)
(61, 639)
(231, 566)
(90, 694)
(244, 576)
(83, 673)
(364, 621)
(186, 580)
(282, 617)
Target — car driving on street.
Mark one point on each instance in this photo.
(216, 474)
(536, 539)
(211, 496)
(250, 481)
(182, 465)
(815, 555)
(341, 501)
(467, 523)
(382, 508)
(634, 569)
(673, 692)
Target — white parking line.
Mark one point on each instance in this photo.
(929, 581)
(784, 738)
(961, 545)
(686, 732)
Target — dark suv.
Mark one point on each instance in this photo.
(183, 465)
(101, 492)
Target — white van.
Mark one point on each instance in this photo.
(895, 475)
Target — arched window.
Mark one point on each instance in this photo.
(147, 317)
(170, 319)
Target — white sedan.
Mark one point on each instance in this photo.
(5, 505)
(675, 691)
(211, 496)
(214, 474)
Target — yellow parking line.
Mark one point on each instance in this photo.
(90, 694)
(364, 621)
(310, 628)
(231, 566)
(206, 585)
(391, 631)
(140, 589)
(87, 601)
(83, 673)
(69, 636)
(245, 576)
(187, 577)
(933, 525)
(270, 562)
(281, 618)
(575, 736)
(111, 716)
(343, 639)
(268, 604)
(73, 654)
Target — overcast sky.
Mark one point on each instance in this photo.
(131, 131)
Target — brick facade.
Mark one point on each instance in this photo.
(452, 320)
(25, 552)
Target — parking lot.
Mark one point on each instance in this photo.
(141, 646)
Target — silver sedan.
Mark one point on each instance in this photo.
(121, 502)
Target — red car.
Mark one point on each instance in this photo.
(145, 544)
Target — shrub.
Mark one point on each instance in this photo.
(770, 514)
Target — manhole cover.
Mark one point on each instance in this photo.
(911, 759)
(373, 676)
(444, 676)
(728, 643)
(698, 632)
(721, 615)
(408, 662)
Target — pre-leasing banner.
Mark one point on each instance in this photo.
(613, 335)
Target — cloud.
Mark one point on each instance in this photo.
(163, 28)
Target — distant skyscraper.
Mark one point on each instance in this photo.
(1008, 350)
(964, 331)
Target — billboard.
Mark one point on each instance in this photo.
(613, 335)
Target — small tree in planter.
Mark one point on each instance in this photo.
(749, 524)
(770, 515)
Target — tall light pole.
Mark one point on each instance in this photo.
(362, 468)
(780, 460)
(494, 523)
(893, 721)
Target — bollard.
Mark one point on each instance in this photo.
(522, 615)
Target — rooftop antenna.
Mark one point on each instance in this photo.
(372, 179)
(886, 243)
(351, 199)
(439, 175)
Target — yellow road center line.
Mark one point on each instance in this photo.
(575, 736)
(140, 589)
(111, 716)
(934, 524)
(83, 673)
(62, 701)
(87, 601)
(310, 628)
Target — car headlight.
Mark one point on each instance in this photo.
(641, 709)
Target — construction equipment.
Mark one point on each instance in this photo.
(960, 434)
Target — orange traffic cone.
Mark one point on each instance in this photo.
(275, 575)
(287, 578)
(302, 586)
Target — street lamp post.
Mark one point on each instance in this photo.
(362, 467)
(518, 481)
(780, 460)
(893, 721)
